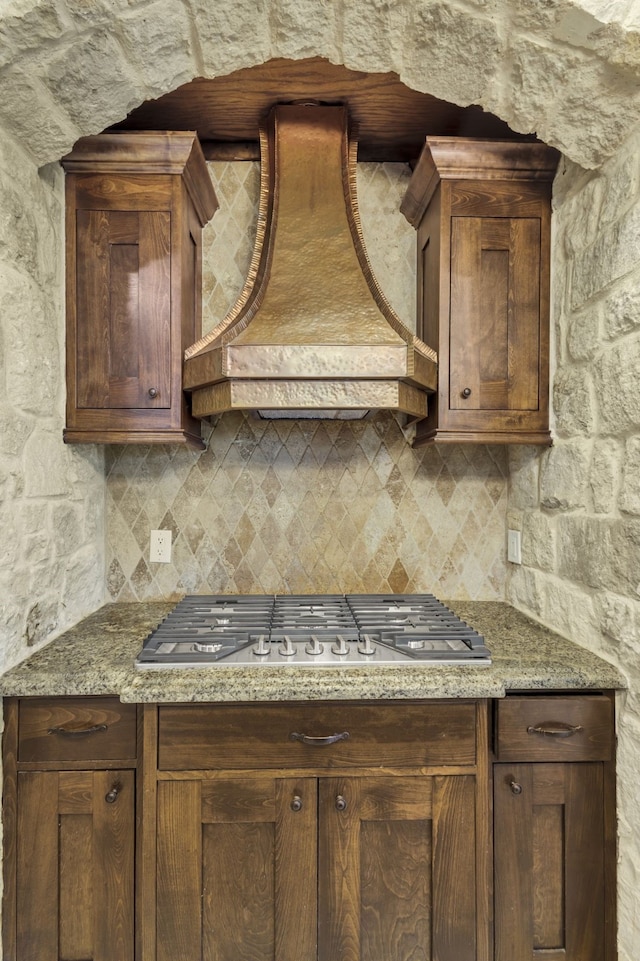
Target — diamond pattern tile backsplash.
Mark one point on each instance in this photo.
(308, 506)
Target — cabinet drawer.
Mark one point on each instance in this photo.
(554, 729)
(76, 729)
(258, 735)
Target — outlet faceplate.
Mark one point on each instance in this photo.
(160, 547)
(514, 547)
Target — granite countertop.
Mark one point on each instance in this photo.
(97, 657)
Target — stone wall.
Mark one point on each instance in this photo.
(578, 504)
(51, 496)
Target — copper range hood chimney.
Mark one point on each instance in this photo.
(311, 330)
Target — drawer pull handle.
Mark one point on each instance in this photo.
(296, 803)
(515, 787)
(341, 803)
(112, 796)
(82, 732)
(318, 741)
(555, 730)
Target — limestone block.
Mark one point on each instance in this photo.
(41, 619)
(604, 474)
(574, 401)
(453, 55)
(615, 253)
(622, 308)
(524, 473)
(14, 431)
(526, 590)
(93, 81)
(32, 353)
(84, 582)
(621, 183)
(584, 551)
(564, 473)
(31, 114)
(583, 332)
(224, 29)
(45, 464)
(306, 28)
(158, 43)
(629, 498)
(579, 216)
(620, 621)
(18, 230)
(538, 541)
(67, 527)
(616, 380)
(572, 611)
(375, 39)
(600, 553)
(27, 25)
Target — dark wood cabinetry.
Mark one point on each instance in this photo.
(69, 819)
(355, 849)
(136, 205)
(482, 214)
(553, 817)
(254, 844)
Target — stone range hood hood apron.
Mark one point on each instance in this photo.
(311, 331)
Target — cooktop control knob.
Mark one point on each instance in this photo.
(286, 648)
(365, 646)
(314, 646)
(340, 647)
(263, 647)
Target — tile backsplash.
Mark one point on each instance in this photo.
(308, 506)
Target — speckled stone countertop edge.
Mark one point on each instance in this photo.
(96, 657)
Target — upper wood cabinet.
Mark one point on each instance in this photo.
(136, 205)
(482, 211)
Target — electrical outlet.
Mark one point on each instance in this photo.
(160, 547)
(514, 547)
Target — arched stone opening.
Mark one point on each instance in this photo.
(566, 70)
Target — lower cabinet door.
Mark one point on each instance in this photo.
(549, 862)
(74, 872)
(237, 865)
(397, 877)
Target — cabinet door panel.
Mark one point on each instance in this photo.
(237, 870)
(123, 309)
(75, 866)
(495, 313)
(397, 869)
(549, 862)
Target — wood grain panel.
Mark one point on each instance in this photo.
(77, 888)
(296, 861)
(454, 869)
(396, 892)
(155, 310)
(75, 792)
(38, 716)
(258, 736)
(37, 867)
(249, 801)
(590, 715)
(549, 862)
(92, 283)
(114, 865)
(524, 314)
(398, 884)
(179, 880)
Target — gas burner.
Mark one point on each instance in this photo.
(311, 630)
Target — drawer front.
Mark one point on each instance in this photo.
(555, 729)
(237, 737)
(76, 729)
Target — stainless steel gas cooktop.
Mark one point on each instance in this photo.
(311, 631)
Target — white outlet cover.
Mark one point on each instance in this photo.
(514, 547)
(160, 547)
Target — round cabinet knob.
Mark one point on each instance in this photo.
(466, 392)
(153, 392)
(341, 803)
(296, 803)
(515, 787)
(112, 796)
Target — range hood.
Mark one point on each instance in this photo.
(311, 330)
